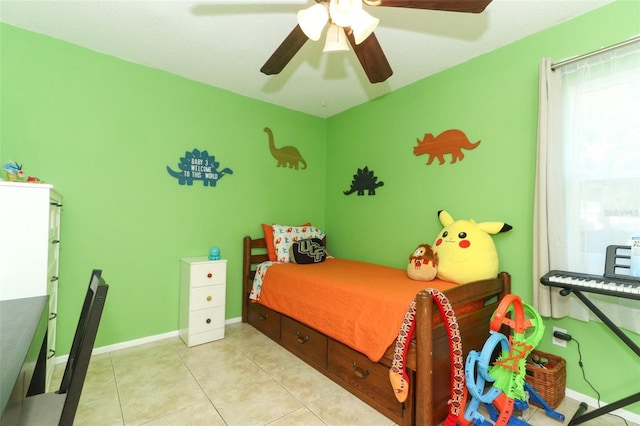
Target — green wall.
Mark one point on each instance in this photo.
(494, 99)
(103, 131)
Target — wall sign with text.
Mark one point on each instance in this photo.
(198, 166)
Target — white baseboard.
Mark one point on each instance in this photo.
(593, 403)
(136, 342)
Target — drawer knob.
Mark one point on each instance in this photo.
(209, 275)
(209, 298)
(262, 316)
(301, 339)
(208, 321)
(359, 372)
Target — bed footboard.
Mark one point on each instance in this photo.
(432, 356)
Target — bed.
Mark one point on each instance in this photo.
(359, 370)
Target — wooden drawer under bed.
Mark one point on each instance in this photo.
(366, 379)
(305, 342)
(264, 319)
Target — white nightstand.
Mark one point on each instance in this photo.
(202, 299)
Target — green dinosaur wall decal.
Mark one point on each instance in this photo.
(287, 155)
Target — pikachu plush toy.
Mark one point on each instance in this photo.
(465, 250)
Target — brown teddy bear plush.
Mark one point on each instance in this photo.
(423, 264)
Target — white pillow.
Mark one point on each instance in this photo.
(284, 236)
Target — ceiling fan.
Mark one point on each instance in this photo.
(348, 20)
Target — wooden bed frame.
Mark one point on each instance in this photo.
(427, 361)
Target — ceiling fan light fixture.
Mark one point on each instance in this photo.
(363, 25)
(313, 20)
(342, 12)
(336, 39)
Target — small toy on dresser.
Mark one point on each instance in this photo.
(16, 174)
(14, 171)
(214, 253)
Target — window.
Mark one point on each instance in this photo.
(592, 185)
(601, 161)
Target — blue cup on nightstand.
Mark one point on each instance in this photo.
(214, 253)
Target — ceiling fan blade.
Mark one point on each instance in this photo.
(471, 6)
(371, 57)
(287, 50)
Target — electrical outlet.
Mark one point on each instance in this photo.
(557, 341)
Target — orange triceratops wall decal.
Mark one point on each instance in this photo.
(447, 142)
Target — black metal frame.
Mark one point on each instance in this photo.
(579, 417)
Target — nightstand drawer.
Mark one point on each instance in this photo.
(208, 273)
(207, 297)
(206, 320)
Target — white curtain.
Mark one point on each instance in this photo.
(588, 175)
(549, 246)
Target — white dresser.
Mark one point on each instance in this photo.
(203, 285)
(30, 248)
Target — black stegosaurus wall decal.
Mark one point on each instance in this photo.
(364, 180)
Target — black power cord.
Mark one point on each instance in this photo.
(567, 337)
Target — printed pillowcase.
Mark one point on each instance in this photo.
(284, 237)
(268, 239)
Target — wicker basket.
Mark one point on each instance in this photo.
(550, 380)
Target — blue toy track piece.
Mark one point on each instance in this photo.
(482, 422)
(513, 421)
(520, 405)
(535, 396)
(477, 375)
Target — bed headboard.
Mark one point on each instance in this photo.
(254, 252)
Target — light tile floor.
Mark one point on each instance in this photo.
(245, 379)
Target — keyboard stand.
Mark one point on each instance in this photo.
(580, 416)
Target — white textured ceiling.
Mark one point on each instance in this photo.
(224, 43)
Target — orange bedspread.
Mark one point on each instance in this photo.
(359, 304)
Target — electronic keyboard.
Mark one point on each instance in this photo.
(620, 287)
(616, 281)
